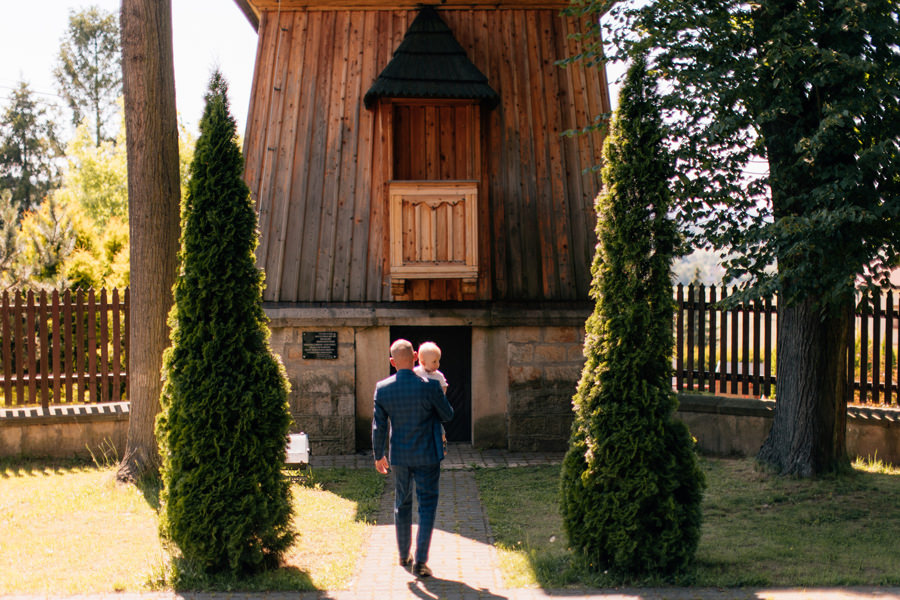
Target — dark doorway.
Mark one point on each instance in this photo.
(456, 365)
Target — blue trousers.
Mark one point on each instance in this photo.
(425, 479)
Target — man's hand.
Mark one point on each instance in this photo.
(381, 465)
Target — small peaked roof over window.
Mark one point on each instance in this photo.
(430, 63)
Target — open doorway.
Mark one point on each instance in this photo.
(456, 365)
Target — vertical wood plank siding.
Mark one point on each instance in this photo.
(317, 171)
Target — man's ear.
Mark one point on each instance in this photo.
(393, 364)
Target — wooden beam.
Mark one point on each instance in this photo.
(286, 5)
(250, 11)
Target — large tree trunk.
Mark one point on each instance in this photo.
(808, 437)
(154, 195)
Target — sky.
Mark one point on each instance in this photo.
(206, 33)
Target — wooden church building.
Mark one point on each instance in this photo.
(412, 180)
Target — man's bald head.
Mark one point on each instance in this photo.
(402, 354)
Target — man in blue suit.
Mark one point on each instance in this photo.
(415, 408)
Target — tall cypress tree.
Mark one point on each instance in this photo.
(631, 486)
(224, 421)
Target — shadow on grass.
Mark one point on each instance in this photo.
(30, 466)
(364, 487)
(281, 579)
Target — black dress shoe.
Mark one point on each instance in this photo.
(421, 570)
(406, 562)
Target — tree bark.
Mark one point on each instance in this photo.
(808, 436)
(154, 195)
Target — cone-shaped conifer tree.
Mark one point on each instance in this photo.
(224, 419)
(631, 486)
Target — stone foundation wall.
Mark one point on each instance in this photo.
(544, 365)
(323, 391)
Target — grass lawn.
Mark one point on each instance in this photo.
(758, 529)
(68, 528)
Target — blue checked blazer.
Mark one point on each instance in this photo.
(415, 408)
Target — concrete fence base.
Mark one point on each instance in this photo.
(728, 426)
(98, 430)
(723, 426)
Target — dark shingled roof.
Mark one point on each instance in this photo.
(430, 63)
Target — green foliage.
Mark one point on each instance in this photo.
(809, 89)
(28, 149)
(9, 218)
(224, 419)
(88, 72)
(631, 486)
(100, 263)
(47, 237)
(96, 177)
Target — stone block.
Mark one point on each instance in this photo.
(330, 427)
(543, 402)
(346, 405)
(565, 375)
(550, 353)
(345, 380)
(292, 353)
(524, 375)
(562, 335)
(299, 403)
(520, 353)
(324, 404)
(575, 353)
(525, 334)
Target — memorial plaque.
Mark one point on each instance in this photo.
(320, 345)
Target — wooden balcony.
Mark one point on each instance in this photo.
(433, 232)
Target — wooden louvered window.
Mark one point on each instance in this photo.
(433, 196)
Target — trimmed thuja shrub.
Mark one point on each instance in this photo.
(224, 420)
(631, 486)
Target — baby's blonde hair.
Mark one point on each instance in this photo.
(430, 348)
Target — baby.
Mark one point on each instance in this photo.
(429, 361)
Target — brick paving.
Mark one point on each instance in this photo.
(462, 556)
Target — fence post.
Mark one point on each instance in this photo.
(20, 354)
(104, 343)
(30, 343)
(767, 345)
(689, 350)
(712, 339)
(92, 344)
(735, 335)
(679, 333)
(69, 345)
(876, 347)
(888, 347)
(127, 305)
(701, 337)
(45, 352)
(864, 352)
(79, 345)
(7, 351)
(55, 344)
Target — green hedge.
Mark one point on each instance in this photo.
(631, 486)
(225, 419)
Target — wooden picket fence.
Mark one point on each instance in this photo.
(63, 348)
(73, 347)
(733, 351)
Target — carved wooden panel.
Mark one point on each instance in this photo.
(433, 230)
